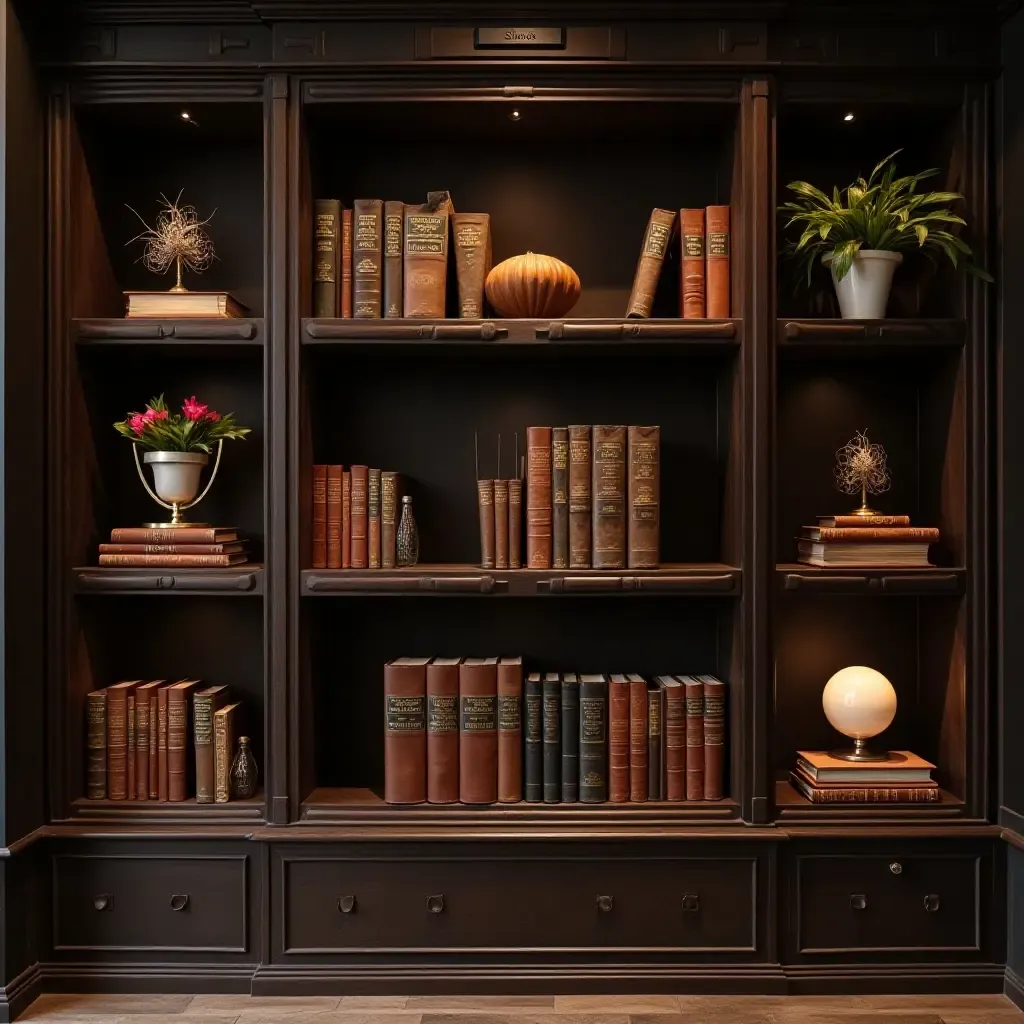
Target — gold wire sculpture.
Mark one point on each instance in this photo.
(177, 238)
(861, 466)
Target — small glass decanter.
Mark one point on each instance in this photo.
(244, 773)
(408, 540)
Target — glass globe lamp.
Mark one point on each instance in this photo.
(860, 703)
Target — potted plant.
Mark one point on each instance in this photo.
(861, 234)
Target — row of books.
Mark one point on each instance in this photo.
(184, 547)
(160, 741)
(902, 777)
(355, 512)
(868, 540)
(455, 732)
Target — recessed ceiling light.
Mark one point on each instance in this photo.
(186, 116)
(515, 115)
(849, 117)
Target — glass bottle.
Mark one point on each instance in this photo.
(244, 773)
(408, 540)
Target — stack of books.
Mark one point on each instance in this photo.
(184, 547)
(866, 541)
(903, 778)
(183, 304)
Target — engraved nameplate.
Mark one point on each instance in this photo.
(504, 38)
(512, 42)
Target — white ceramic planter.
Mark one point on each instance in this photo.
(176, 474)
(864, 293)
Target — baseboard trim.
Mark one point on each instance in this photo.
(198, 979)
(1013, 987)
(896, 979)
(20, 993)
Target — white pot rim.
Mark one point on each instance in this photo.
(189, 457)
(870, 254)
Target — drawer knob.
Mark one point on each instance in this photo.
(605, 904)
(435, 904)
(932, 903)
(896, 867)
(103, 901)
(346, 904)
(858, 901)
(691, 902)
(179, 901)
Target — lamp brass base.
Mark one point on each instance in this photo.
(860, 752)
(175, 526)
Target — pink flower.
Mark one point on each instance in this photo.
(194, 410)
(151, 415)
(137, 422)
(213, 417)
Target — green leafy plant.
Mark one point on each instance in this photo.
(197, 428)
(881, 212)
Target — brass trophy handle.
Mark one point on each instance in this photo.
(176, 510)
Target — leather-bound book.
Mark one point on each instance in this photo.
(176, 561)
(515, 523)
(655, 788)
(405, 731)
(426, 261)
(346, 519)
(367, 237)
(130, 761)
(345, 285)
(657, 237)
(117, 738)
(154, 741)
(552, 722)
(326, 251)
(500, 524)
(609, 497)
(485, 509)
(144, 696)
(373, 516)
(644, 527)
(559, 497)
(510, 730)
(673, 724)
(638, 767)
(718, 255)
(394, 211)
(694, 737)
(714, 737)
(334, 474)
(570, 738)
(388, 518)
(692, 290)
(443, 731)
(593, 739)
(580, 508)
(319, 517)
(181, 764)
(204, 704)
(538, 497)
(162, 778)
(618, 738)
(472, 236)
(360, 517)
(534, 745)
(96, 745)
(225, 729)
(478, 731)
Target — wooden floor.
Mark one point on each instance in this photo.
(173, 1009)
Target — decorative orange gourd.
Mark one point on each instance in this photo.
(533, 285)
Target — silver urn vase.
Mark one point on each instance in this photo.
(176, 481)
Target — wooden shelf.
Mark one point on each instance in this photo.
(867, 337)
(165, 812)
(189, 333)
(795, 578)
(792, 806)
(704, 579)
(239, 580)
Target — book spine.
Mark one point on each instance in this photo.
(692, 289)
(162, 781)
(346, 520)
(360, 517)
(405, 734)
(654, 766)
(694, 739)
(538, 497)
(345, 305)
(510, 732)
(552, 739)
(172, 561)
(154, 744)
(202, 719)
(442, 734)
(534, 760)
(648, 269)
(718, 258)
(177, 745)
(319, 517)
(867, 795)
(570, 740)
(500, 524)
(593, 741)
(644, 527)
(117, 744)
(170, 549)
(859, 522)
(485, 508)
(393, 215)
(579, 497)
(515, 523)
(609, 497)
(96, 745)
(426, 261)
(130, 757)
(142, 699)
(674, 726)
(714, 738)
(478, 733)
(178, 535)
(472, 237)
(869, 534)
(373, 516)
(560, 497)
(222, 744)
(388, 509)
(618, 740)
(366, 258)
(326, 227)
(334, 517)
(638, 766)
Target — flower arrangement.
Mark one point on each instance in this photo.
(195, 429)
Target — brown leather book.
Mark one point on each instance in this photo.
(714, 737)
(692, 290)
(162, 778)
(154, 741)
(326, 246)
(718, 255)
(176, 561)
(426, 261)
(373, 516)
(638, 766)
(657, 237)
(485, 510)
(393, 216)
(510, 730)
(871, 534)
(181, 763)
(609, 497)
(500, 524)
(673, 707)
(860, 522)
(346, 519)
(172, 549)
(580, 507)
(389, 487)
(618, 738)
(515, 523)
(472, 237)
(345, 285)
(655, 787)
(334, 517)
(478, 731)
(694, 737)
(443, 731)
(405, 731)
(644, 527)
(818, 794)
(319, 517)
(225, 728)
(204, 704)
(360, 517)
(96, 745)
(144, 695)
(538, 497)
(177, 535)
(117, 738)
(367, 238)
(559, 497)
(130, 761)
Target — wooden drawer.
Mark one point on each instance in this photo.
(336, 904)
(894, 904)
(150, 902)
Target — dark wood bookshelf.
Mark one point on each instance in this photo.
(190, 333)
(874, 337)
(799, 578)
(242, 579)
(189, 812)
